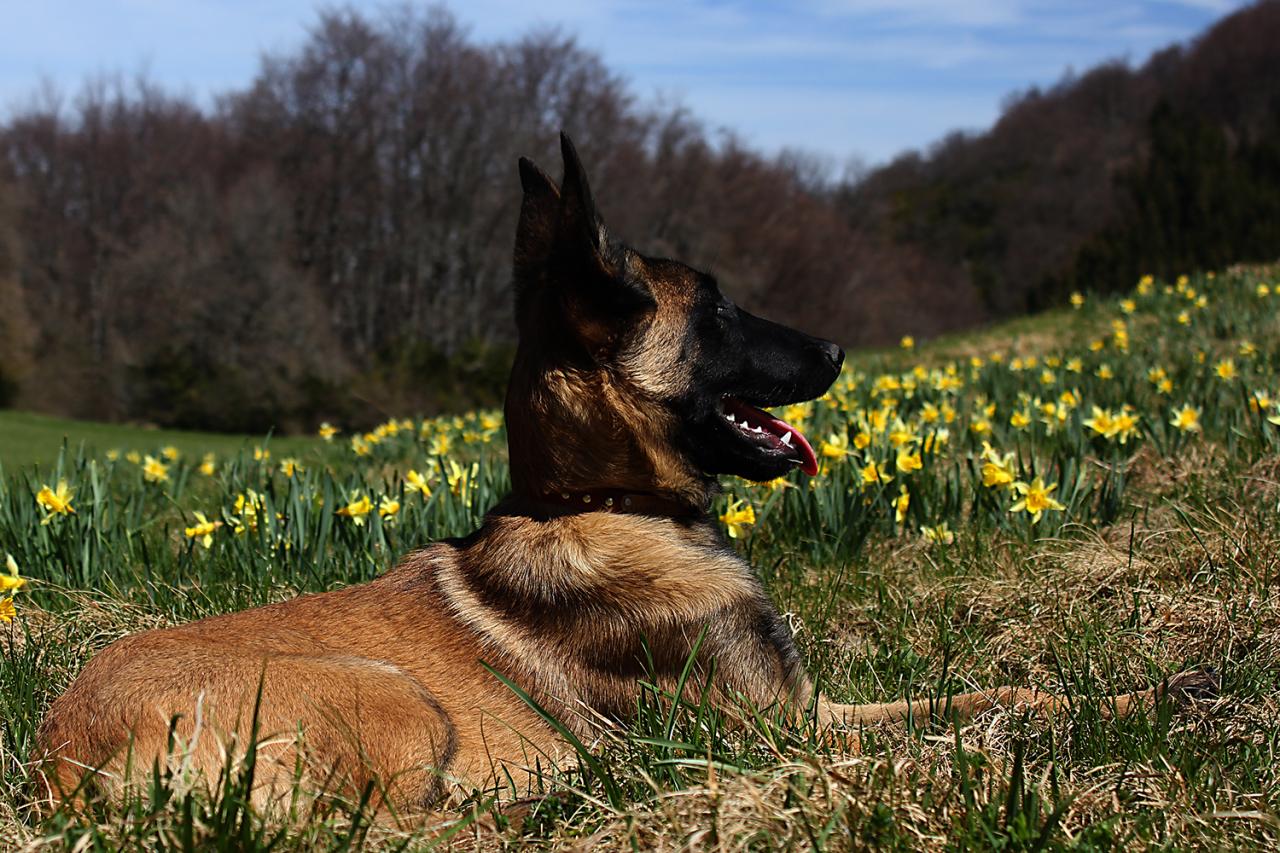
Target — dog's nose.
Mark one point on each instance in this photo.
(833, 354)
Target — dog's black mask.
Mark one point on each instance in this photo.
(742, 364)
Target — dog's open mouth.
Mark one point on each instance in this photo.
(769, 434)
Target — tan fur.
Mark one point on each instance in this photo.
(384, 684)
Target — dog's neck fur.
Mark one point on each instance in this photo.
(576, 429)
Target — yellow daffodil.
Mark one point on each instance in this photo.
(439, 445)
(1128, 306)
(415, 482)
(11, 582)
(202, 530)
(1102, 422)
(872, 474)
(1104, 372)
(740, 513)
(56, 501)
(388, 507)
(901, 435)
(356, 509)
(1226, 370)
(938, 535)
(261, 454)
(886, 384)
(290, 467)
(795, 414)
(908, 461)
(901, 504)
(327, 431)
(1125, 424)
(134, 457)
(207, 466)
(907, 342)
(836, 445)
(171, 453)
(1036, 499)
(1077, 300)
(1020, 419)
(1186, 419)
(7, 611)
(997, 470)
(247, 507)
(154, 471)
(359, 446)
(457, 477)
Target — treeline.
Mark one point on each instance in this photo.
(334, 240)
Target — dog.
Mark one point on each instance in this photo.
(636, 384)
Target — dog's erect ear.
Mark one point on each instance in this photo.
(578, 208)
(600, 296)
(539, 222)
(563, 253)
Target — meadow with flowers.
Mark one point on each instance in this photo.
(1086, 501)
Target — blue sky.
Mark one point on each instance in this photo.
(861, 78)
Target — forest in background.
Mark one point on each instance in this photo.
(334, 240)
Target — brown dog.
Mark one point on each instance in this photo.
(635, 384)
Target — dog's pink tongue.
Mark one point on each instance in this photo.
(780, 428)
(808, 459)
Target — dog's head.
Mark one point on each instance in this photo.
(635, 372)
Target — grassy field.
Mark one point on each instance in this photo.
(1086, 502)
(29, 439)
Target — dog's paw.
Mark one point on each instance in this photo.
(1193, 685)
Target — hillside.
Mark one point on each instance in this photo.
(1113, 173)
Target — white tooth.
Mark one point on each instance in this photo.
(759, 429)
(729, 418)
(786, 439)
